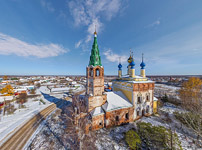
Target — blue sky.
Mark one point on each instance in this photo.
(54, 37)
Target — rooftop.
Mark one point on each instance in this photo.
(97, 111)
(116, 100)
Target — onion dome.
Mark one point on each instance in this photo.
(130, 59)
(132, 64)
(119, 66)
(142, 65)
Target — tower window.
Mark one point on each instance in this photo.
(100, 123)
(97, 72)
(91, 72)
(117, 118)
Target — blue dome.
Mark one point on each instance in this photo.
(119, 66)
(132, 64)
(142, 65)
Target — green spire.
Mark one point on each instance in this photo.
(95, 55)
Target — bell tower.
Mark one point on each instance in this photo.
(95, 79)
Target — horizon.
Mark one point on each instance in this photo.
(45, 37)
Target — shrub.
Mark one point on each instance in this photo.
(132, 139)
(158, 137)
(189, 119)
(41, 100)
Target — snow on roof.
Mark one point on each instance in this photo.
(6, 98)
(148, 81)
(128, 76)
(59, 89)
(97, 111)
(19, 90)
(116, 100)
(155, 99)
(74, 82)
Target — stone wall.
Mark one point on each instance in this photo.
(97, 122)
(119, 116)
(95, 101)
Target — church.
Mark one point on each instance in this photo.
(132, 96)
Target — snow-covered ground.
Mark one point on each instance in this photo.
(10, 123)
(185, 135)
(53, 133)
(162, 89)
(163, 86)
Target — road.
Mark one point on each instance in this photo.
(20, 137)
(18, 140)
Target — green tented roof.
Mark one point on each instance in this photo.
(95, 59)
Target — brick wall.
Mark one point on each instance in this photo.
(119, 116)
(97, 122)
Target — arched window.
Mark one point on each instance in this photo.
(143, 112)
(138, 112)
(147, 97)
(117, 118)
(139, 98)
(147, 109)
(91, 72)
(97, 72)
(127, 116)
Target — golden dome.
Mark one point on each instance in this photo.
(130, 59)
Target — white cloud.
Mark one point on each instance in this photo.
(77, 45)
(155, 23)
(90, 12)
(10, 45)
(112, 57)
(47, 5)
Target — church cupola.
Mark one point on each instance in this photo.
(132, 68)
(142, 65)
(129, 61)
(120, 69)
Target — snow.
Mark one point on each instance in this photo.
(163, 87)
(116, 100)
(6, 98)
(59, 89)
(185, 135)
(155, 99)
(148, 81)
(97, 111)
(10, 123)
(37, 131)
(170, 108)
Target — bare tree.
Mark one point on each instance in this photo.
(191, 96)
(48, 87)
(22, 99)
(79, 121)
